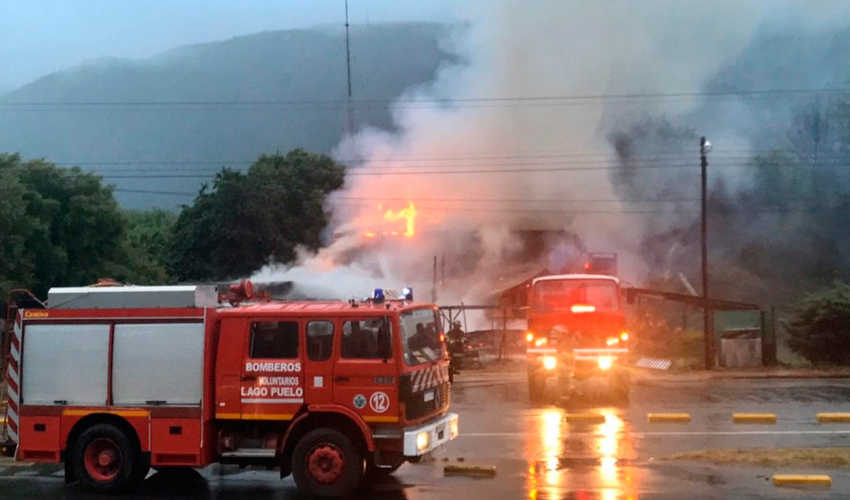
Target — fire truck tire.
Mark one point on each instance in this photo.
(535, 389)
(106, 460)
(619, 388)
(326, 464)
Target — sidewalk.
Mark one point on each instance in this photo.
(640, 374)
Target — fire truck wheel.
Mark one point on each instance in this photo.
(619, 388)
(535, 389)
(325, 463)
(105, 459)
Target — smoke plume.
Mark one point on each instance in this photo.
(524, 95)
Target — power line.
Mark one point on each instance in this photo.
(144, 191)
(467, 171)
(777, 211)
(418, 102)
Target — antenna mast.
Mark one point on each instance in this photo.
(349, 121)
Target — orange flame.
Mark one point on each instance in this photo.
(408, 214)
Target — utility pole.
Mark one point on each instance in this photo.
(349, 111)
(704, 148)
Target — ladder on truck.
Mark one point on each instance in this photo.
(7, 445)
(4, 399)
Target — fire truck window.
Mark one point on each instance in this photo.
(366, 339)
(274, 340)
(320, 339)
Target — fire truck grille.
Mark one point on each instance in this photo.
(418, 407)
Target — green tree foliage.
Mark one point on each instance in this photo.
(60, 226)
(248, 220)
(147, 243)
(820, 327)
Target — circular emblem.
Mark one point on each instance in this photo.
(379, 402)
(360, 401)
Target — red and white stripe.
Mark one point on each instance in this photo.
(430, 377)
(13, 383)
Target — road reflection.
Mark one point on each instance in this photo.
(556, 449)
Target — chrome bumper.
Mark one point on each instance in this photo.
(438, 431)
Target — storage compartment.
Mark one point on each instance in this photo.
(65, 364)
(175, 441)
(158, 364)
(39, 439)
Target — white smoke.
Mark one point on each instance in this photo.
(528, 50)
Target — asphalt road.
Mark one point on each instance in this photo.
(541, 456)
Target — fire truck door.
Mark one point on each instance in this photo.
(318, 370)
(272, 381)
(365, 372)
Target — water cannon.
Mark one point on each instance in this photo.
(242, 291)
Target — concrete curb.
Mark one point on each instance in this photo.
(657, 418)
(754, 418)
(801, 480)
(584, 418)
(470, 470)
(833, 418)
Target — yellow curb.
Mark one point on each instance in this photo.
(754, 418)
(829, 418)
(589, 418)
(470, 470)
(668, 417)
(797, 480)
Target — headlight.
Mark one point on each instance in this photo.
(605, 363)
(423, 439)
(612, 341)
(624, 336)
(453, 428)
(550, 362)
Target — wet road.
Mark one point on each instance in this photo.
(540, 456)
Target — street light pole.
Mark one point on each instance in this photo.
(704, 148)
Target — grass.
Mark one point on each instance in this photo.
(771, 457)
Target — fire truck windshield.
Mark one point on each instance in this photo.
(420, 335)
(561, 295)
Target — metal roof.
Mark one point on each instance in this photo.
(561, 277)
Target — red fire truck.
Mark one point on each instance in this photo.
(115, 381)
(575, 336)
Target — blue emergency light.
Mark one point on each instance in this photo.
(378, 295)
(407, 293)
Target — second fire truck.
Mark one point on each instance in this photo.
(115, 381)
(576, 336)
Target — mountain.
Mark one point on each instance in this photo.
(276, 71)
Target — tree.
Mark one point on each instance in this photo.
(16, 227)
(820, 327)
(67, 220)
(147, 243)
(248, 220)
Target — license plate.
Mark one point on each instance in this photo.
(429, 396)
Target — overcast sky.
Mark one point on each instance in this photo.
(41, 36)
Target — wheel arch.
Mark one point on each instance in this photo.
(324, 416)
(91, 420)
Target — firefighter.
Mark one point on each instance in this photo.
(456, 333)
(456, 340)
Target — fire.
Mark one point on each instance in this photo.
(408, 214)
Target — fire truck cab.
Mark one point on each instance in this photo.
(576, 335)
(115, 381)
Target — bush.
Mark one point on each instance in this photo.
(820, 326)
